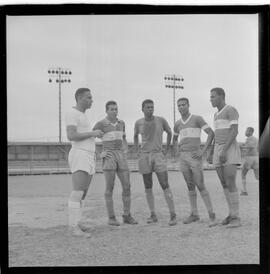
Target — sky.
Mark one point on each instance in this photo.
(125, 58)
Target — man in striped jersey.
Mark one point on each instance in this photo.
(227, 153)
(251, 158)
(189, 128)
(115, 162)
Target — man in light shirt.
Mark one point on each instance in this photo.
(227, 153)
(81, 157)
(189, 128)
(251, 159)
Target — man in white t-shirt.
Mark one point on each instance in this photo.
(81, 157)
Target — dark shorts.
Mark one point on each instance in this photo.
(118, 161)
(152, 162)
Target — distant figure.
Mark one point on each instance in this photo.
(152, 158)
(81, 157)
(251, 159)
(264, 142)
(189, 128)
(227, 154)
(114, 161)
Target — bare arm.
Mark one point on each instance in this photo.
(175, 145)
(73, 135)
(232, 136)
(169, 139)
(209, 139)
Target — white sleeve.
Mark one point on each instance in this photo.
(71, 119)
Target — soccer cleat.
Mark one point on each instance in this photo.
(226, 221)
(191, 218)
(243, 193)
(234, 222)
(76, 231)
(213, 220)
(113, 221)
(173, 220)
(152, 219)
(128, 219)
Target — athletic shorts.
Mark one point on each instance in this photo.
(152, 162)
(188, 163)
(118, 161)
(233, 155)
(84, 160)
(251, 162)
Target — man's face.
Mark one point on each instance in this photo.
(215, 99)
(183, 107)
(112, 111)
(248, 132)
(148, 109)
(86, 99)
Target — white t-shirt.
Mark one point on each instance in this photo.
(82, 123)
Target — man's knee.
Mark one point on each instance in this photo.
(108, 193)
(75, 199)
(126, 191)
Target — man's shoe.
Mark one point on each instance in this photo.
(226, 221)
(234, 222)
(191, 218)
(128, 219)
(173, 220)
(152, 219)
(244, 193)
(213, 220)
(113, 221)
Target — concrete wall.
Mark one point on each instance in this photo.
(36, 151)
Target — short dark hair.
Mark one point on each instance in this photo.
(110, 103)
(251, 129)
(80, 91)
(147, 101)
(219, 91)
(183, 99)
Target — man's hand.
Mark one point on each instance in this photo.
(165, 151)
(197, 155)
(106, 154)
(223, 157)
(209, 158)
(98, 133)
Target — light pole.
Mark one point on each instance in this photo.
(173, 81)
(61, 76)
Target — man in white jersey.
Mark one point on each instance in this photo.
(189, 128)
(81, 157)
(251, 159)
(152, 157)
(227, 153)
(114, 161)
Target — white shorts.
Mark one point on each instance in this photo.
(79, 159)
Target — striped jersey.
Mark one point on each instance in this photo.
(190, 132)
(151, 132)
(223, 120)
(252, 144)
(113, 134)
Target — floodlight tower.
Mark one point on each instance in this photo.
(173, 81)
(61, 76)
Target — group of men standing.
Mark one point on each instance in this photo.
(152, 157)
